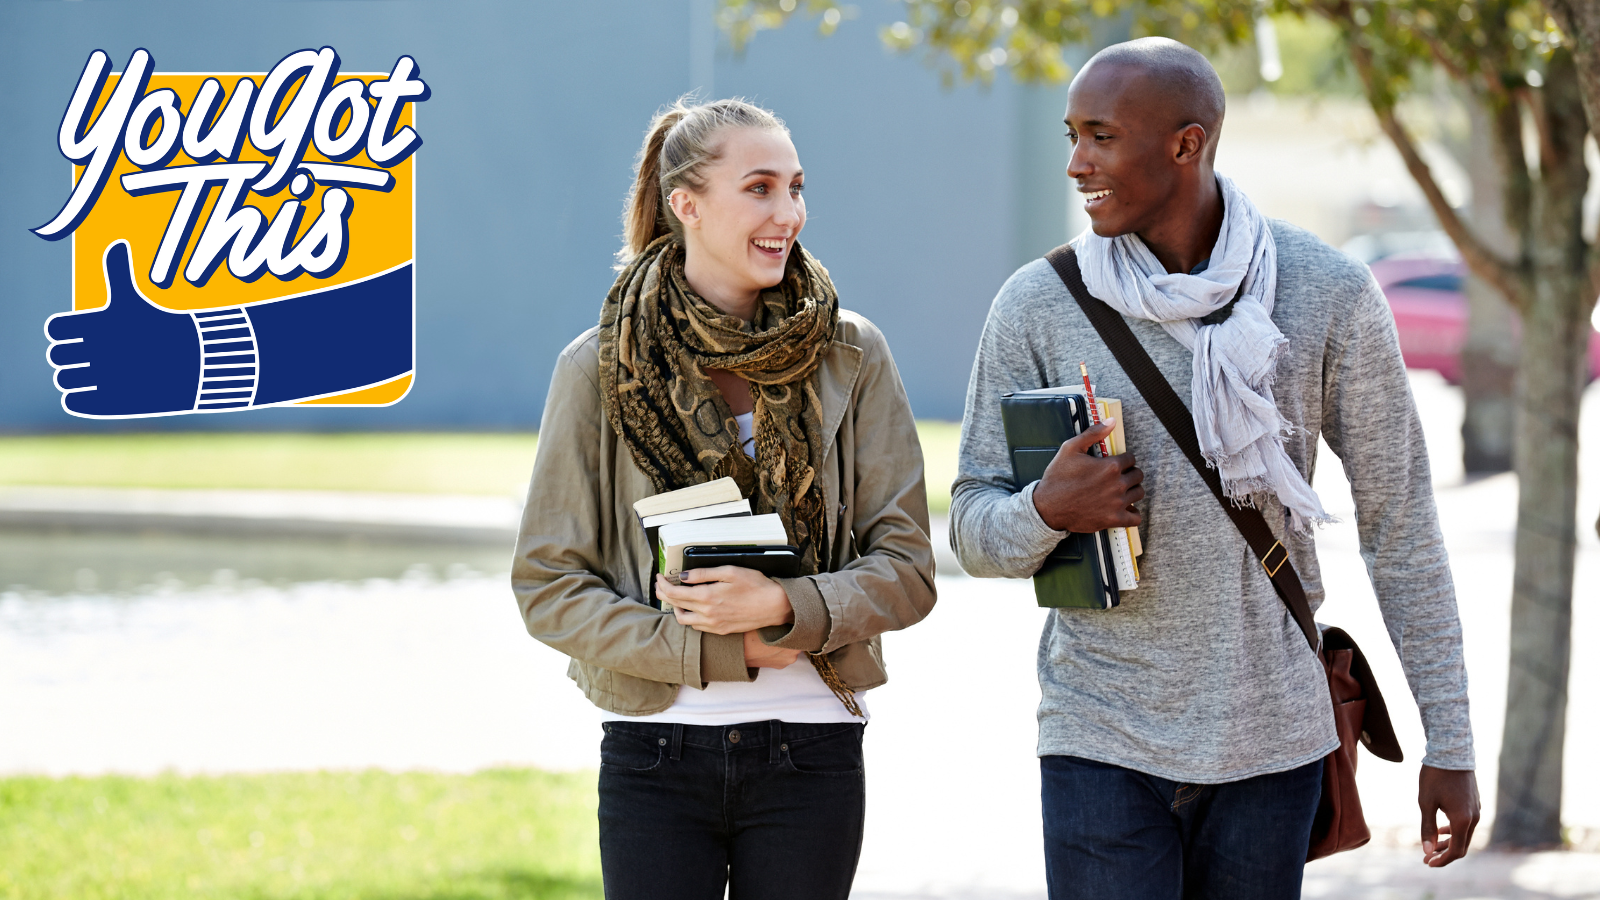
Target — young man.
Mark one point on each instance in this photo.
(1181, 734)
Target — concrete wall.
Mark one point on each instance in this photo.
(922, 200)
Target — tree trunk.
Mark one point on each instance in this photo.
(1549, 385)
(1579, 22)
(1489, 356)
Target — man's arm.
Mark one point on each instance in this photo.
(1370, 421)
(996, 530)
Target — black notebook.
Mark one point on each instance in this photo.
(773, 562)
(1080, 572)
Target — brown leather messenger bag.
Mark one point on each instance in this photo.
(1359, 712)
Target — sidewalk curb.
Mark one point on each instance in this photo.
(431, 518)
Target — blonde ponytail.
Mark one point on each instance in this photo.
(645, 220)
(677, 146)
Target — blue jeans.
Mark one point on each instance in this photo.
(1112, 833)
(770, 810)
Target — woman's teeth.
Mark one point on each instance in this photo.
(767, 244)
(1096, 195)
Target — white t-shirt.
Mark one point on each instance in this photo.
(794, 693)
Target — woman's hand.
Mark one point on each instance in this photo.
(726, 600)
(758, 655)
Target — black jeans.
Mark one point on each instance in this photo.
(1115, 834)
(769, 810)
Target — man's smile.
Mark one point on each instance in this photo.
(1092, 198)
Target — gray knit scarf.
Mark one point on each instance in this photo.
(1241, 431)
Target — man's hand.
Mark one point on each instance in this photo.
(1083, 493)
(1456, 795)
(758, 655)
(726, 600)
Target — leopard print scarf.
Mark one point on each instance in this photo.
(656, 337)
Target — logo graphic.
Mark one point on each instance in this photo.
(239, 240)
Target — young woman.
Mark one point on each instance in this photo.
(735, 751)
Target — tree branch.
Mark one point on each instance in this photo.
(1503, 276)
(1441, 55)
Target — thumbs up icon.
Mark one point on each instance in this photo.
(127, 358)
(132, 358)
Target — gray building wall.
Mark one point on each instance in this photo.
(922, 201)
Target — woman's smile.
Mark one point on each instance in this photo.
(772, 248)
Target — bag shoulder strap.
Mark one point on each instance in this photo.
(1167, 406)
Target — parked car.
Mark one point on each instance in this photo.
(1425, 293)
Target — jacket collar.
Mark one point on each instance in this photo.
(836, 381)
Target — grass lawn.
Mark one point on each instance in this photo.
(504, 833)
(407, 462)
(939, 444)
(425, 463)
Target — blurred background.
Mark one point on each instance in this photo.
(274, 653)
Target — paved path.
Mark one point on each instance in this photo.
(421, 671)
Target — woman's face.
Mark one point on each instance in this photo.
(739, 230)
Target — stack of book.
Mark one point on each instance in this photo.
(1086, 571)
(708, 525)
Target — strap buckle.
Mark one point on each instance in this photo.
(1272, 570)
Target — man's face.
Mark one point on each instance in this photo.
(1123, 148)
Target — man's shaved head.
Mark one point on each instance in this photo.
(1143, 118)
(1179, 83)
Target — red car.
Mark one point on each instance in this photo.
(1430, 311)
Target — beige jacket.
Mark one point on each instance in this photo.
(582, 559)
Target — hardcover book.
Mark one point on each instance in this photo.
(1084, 571)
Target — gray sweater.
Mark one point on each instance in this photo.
(1201, 674)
